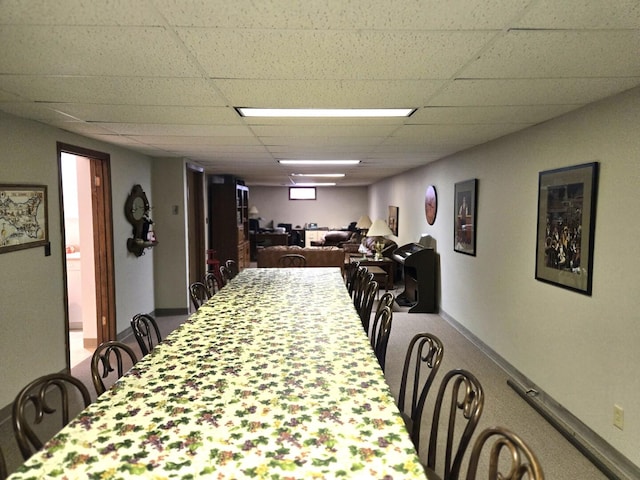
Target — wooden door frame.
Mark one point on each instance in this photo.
(100, 166)
(195, 222)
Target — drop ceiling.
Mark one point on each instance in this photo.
(161, 77)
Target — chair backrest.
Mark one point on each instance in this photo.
(3, 466)
(424, 354)
(519, 462)
(225, 276)
(199, 294)
(465, 402)
(352, 272)
(103, 360)
(386, 301)
(292, 260)
(232, 266)
(366, 304)
(363, 279)
(146, 331)
(212, 283)
(380, 332)
(47, 395)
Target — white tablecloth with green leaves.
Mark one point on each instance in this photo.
(273, 378)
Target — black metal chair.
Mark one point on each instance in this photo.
(225, 275)
(199, 294)
(352, 271)
(462, 397)
(380, 331)
(292, 260)
(103, 360)
(424, 354)
(520, 461)
(232, 266)
(366, 303)
(146, 331)
(48, 395)
(212, 283)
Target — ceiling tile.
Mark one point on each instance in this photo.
(526, 114)
(113, 90)
(581, 14)
(328, 93)
(125, 51)
(553, 54)
(303, 54)
(543, 91)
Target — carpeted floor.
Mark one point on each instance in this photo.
(560, 460)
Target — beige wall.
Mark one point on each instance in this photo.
(334, 207)
(32, 341)
(583, 351)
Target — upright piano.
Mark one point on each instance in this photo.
(418, 262)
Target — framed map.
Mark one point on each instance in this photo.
(23, 217)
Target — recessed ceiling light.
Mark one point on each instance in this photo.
(324, 175)
(324, 112)
(319, 162)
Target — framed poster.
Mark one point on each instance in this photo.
(566, 225)
(23, 217)
(393, 220)
(464, 217)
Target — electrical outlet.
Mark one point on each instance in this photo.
(618, 417)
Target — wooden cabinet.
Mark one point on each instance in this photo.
(229, 219)
(313, 236)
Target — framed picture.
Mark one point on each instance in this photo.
(464, 217)
(566, 225)
(393, 220)
(23, 217)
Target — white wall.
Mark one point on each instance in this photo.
(582, 350)
(335, 207)
(32, 341)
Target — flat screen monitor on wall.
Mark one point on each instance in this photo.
(302, 193)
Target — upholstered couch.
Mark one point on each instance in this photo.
(316, 256)
(334, 238)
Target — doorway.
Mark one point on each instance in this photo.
(85, 199)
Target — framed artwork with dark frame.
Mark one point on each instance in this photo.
(23, 217)
(393, 220)
(566, 226)
(464, 216)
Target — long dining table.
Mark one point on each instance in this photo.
(273, 377)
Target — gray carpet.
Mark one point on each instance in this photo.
(560, 460)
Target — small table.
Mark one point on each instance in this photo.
(385, 264)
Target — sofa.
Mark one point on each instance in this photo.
(316, 256)
(334, 238)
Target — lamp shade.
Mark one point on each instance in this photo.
(364, 222)
(379, 229)
(253, 211)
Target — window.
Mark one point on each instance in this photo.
(302, 193)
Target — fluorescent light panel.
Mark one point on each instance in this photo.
(325, 112)
(315, 184)
(323, 175)
(318, 162)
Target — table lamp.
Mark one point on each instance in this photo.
(253, 212)
(379, 229)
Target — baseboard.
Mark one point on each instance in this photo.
(597, 450)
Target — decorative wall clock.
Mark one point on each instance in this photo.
(431, 204)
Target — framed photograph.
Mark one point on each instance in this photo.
(566, 225)
(393, 220)
(464, 216)
(23, 217)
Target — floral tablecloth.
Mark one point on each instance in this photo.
(273, 378)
